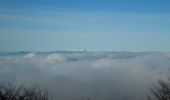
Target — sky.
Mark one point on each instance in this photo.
(117, 25)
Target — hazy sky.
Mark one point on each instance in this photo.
(45, 25)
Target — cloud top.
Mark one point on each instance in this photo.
(100, 76)
(55, 58)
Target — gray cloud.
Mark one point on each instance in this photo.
(97, 75)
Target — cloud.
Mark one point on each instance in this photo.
(55, 58)
(99, 76)
(30, 56)
(102, 63)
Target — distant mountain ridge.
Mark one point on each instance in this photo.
(82, 52)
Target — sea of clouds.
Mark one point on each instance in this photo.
(82, 75)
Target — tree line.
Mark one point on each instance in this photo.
(159, 91)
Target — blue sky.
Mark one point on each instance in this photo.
(118, 25)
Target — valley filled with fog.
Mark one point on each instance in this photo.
(79, 75)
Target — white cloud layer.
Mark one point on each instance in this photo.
(30, 56)
(99, 76)
(55, 58)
